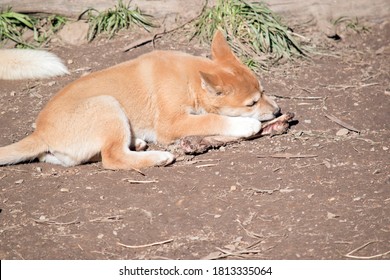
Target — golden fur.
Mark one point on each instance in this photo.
(158, 97)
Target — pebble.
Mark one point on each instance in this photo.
(342, 132)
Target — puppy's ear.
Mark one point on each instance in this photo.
(220, 48)
(210, 83)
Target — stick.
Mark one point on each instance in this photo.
(50, 222)
(131, 181)
(299, 97)
(206, 165)
(140, 42)
(287, 156)
(200, 160)
(146, 245)
(343, 124)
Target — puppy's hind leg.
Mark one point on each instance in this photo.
(116, 136)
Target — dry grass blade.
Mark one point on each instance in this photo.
(145, 245)
(350, 254)
(252, 29)
(342, 123)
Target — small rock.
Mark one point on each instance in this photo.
(19, 181)
(342, 132)
(233, 188)
(64, 190)
(28, 35)
(74, 33)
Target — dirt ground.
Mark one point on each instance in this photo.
(317, 192)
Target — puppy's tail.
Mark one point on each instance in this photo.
(27, 149)
(16, 64)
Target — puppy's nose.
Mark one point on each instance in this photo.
(276, 112)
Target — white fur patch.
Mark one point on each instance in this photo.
(147, 135)
(242, 127)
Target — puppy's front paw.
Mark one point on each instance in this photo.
(242, 127)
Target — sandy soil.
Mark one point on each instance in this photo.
(317, 192)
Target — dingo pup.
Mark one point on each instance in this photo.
(158, 97)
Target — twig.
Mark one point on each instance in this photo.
(201, 160)
(131, 181)
(206, 165)
(342, 123)
(140, 43)
(146, 245)
(227, 253)
(287, 156)
(349, 255)
(50, 222)
(299, 97)
(250, 233)
(369, 85)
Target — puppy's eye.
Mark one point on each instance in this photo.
(218, 93)
(253, 103)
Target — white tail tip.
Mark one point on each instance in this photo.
(17, 64)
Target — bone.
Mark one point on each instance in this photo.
(192, 145)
